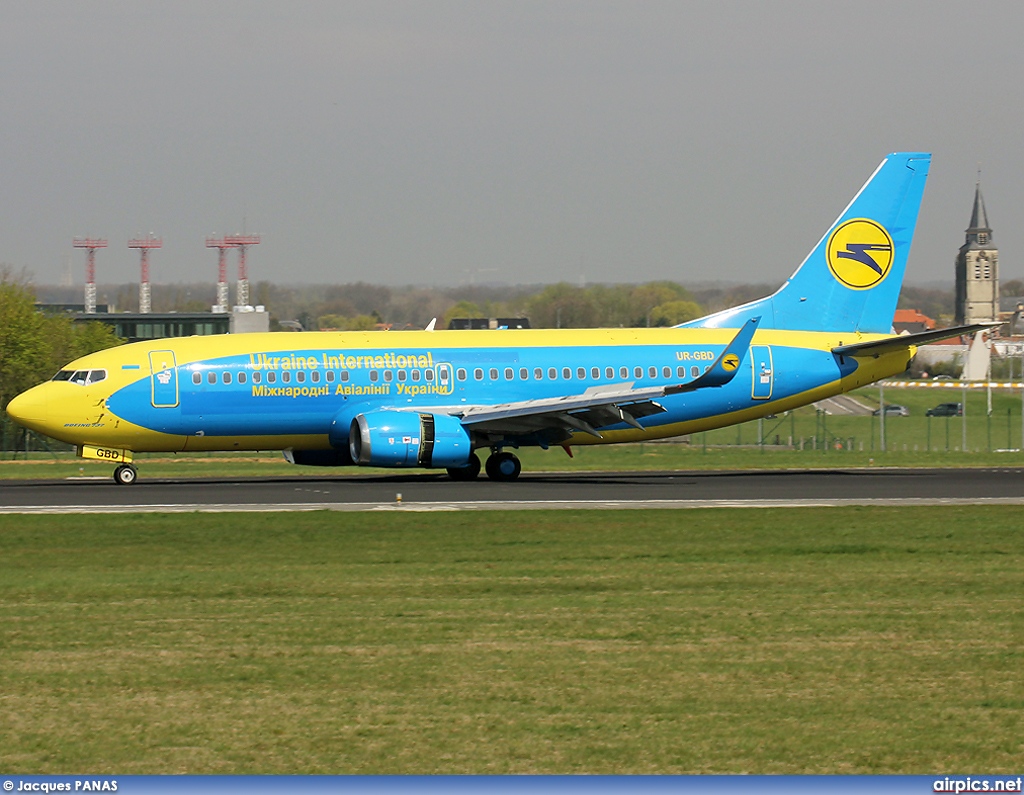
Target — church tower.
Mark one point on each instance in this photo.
(977, 270)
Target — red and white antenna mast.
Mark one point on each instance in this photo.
(90, 244)
(223, 299)
(242, 242)
(144, 245)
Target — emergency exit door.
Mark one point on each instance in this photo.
(763, 372)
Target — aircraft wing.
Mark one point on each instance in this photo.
(906, 340)
(605, 405)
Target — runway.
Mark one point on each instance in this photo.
(598, 490)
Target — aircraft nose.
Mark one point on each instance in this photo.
(29, 408)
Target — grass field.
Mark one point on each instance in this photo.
(762, 641)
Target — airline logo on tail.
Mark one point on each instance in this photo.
(860, 253)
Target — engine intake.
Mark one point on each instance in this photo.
(408, 439)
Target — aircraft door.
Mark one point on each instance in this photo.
(444, 378)
(764, 377)
(164, 379)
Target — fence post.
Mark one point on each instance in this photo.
(963, 422)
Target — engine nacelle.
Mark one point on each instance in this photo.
(408, 439)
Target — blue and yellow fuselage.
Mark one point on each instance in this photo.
(299, 391)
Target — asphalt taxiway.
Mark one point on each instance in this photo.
(600, 490)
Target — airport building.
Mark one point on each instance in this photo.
(137, 326)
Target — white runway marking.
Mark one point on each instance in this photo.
(525, 505)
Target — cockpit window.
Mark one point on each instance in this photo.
(81, 377)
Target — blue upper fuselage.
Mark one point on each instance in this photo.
(300, 391)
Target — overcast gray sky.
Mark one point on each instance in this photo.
(444, 142)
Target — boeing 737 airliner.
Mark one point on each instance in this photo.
(434, 398)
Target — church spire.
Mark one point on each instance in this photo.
(979, 231)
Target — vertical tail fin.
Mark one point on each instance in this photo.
(851, 280)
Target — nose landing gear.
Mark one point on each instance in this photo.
(125, 475)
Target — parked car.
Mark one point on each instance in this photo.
(893, 410)
(946, 410)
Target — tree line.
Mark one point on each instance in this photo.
(34, 346)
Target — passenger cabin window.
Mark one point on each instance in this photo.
(429, 375)
(538, 374)
(623, 372)
(666, 372)
(680, 372)
(315, 376)
(509, 374)
(524, 374)
(494, 373)
(374, 375)
(415, 375)
(595, 373)
(211, 377)
(286, 377)
(402, 375)
(388, 375)
(609, 373)
(478, 374)
(241, 378)
(638, 372)
(552, 373)
(344, 375)
(271, 377)
(460, 374)
(652, 372)
(197, 378)
(581, 373)
(226, 377)
(566, 373)
(257, 377)
(300, 376)
(695, 371)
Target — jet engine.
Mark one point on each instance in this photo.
(408, 439)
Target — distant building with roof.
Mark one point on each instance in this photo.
(911, 321)
(977, 269)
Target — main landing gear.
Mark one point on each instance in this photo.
(125, 475)
(500, 466)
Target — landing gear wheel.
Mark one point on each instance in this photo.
(503, 467)
(125, 475)
(467, 472)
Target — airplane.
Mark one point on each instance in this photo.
(432, 399)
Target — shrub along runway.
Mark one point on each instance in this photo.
(533, 490)
(846, 640)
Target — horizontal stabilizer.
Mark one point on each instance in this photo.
(904, 341)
